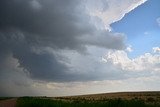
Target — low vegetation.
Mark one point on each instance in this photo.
(5, 98)
(80, 102)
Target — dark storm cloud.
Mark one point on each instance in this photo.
(43, 65)
(58, 24)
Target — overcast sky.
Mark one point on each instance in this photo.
(72, 47)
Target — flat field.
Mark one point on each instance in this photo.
(120, 99)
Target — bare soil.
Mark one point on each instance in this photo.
(8, 103)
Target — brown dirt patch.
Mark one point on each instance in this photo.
(8, 103)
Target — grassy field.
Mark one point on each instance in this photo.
(130, 99)
(40, 102)
(146, 96)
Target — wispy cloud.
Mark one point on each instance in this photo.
(158, 21)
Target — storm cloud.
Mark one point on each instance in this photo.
(59, 24)
(29, 27)
(67, 47)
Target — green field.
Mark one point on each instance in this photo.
(120, 99)
(47, 102)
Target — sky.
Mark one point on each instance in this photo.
(75, 47)
(143, 21)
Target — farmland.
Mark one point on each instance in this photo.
(122, 99)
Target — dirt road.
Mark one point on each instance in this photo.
(8, 103)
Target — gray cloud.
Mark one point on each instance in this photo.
(57, 24)
(110, 41)
(13, 80)
(43, 64)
